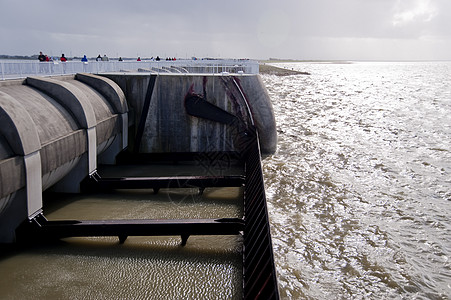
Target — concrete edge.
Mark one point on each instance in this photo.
(69, 96)
(17, 126)
(108, 88)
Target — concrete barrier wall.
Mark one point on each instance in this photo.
(168, 128)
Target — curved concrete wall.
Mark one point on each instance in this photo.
(169, 128)
(53, 132)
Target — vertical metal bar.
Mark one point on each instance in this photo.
(3, 71)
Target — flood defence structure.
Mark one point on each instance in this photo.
(56, 132)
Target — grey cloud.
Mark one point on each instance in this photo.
(231, 28)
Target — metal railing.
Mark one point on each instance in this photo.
(13, 69)
(259, 273)
(260, 279)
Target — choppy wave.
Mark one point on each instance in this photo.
(359, 190)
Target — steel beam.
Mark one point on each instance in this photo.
(96, 182)
(39, 228)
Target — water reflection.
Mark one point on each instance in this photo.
(359, 187)
(142, 267)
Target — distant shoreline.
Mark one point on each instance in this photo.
(319, 61)
(272, 70)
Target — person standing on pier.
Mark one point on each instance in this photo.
(41, 57)
(63, 59)
(85, 63)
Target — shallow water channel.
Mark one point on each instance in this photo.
(208, 267)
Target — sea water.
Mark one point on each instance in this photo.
(359, 191)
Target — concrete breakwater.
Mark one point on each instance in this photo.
(56, 131)
(273, 70)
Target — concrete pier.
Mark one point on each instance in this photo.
(55, 131)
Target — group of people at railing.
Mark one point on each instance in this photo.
(45, 58)
(100, 58)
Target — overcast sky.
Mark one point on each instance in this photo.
(297, 29)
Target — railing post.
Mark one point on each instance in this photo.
(3, 72)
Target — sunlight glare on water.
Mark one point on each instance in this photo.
(359, 190)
